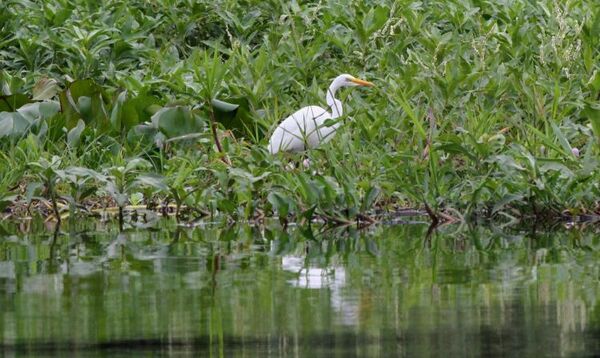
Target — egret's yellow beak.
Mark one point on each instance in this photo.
(362, 83)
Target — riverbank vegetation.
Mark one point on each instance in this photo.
(488, 109)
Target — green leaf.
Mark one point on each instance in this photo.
(13, 124)
(190, 136)
(6, 124)
(13, 102)
(48, 109)
(455, 148)
(592, 112)
(84, 104)
(594, 82)
(137, 164)
(85, 173)
(561, 138)
(117, 111)
(74, 134)
(505, 162)
(505, 200)
(241, 173)
(83, 100)
(235, 115)
(7, 200)
(152, 180)
(375, 19)
(176, 121)
(279, 203)
(556, 166)
(34, 112)
(413, 117)
(33, 189)
(224, 107)
(595, 28)
(370, 197)
(142, 134)
(138, 110)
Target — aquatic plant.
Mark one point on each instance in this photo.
(477, 111)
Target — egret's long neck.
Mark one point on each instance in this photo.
(334, 104)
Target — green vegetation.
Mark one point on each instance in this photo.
(481, 107)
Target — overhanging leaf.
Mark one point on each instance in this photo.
(13, 102)
(152, 180)
(222, 106)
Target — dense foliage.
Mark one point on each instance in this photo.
(488, 107)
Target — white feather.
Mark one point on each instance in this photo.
(308, 127)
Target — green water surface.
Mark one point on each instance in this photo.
(91, 289)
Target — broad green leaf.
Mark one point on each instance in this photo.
(74, 135)
(176, 121)
(137, 164)
(152, 180)
(222, 106)
(142, 134)
(33, 189)
(556, 166)
(83, 100)
(235, 115)
(138, 110)
(375, 19)
(13, 102)
(561, 138)
(85, 172)
(84, 104)
(117, 112)
(6, 124)
(39, 110)
(13, 124)
(48, 109)
(505, 161)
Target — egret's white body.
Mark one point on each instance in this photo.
(308, 127)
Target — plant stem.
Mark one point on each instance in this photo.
(213, 127)
(53, 199)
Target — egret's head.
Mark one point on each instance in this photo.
(347, 80)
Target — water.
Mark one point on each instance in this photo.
(245, 291)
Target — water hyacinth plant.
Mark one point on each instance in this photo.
(481, 108)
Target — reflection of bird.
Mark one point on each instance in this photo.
(307, 128)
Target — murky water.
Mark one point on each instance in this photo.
(245, 291)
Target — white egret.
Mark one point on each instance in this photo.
(308, 127)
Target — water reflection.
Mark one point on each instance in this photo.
(248, 291)
(331, 278)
